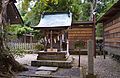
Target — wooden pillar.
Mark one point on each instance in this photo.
(31, 37)
(24, 38)
(51, 41)
(94, 35)
(68, 48)
(103, 42)
(45, 43)
(79, 59)
(60, 42)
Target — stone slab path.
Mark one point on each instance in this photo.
(46, 68)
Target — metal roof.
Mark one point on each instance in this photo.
(55, 19)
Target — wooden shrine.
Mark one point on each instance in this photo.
(60, 33)
(13, 16)
(82, 31)
(111, 26)
(54, 26)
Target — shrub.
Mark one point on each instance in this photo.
(79, 44)
(18, 52)
(39, 47)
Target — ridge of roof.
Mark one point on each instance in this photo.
(52, 13)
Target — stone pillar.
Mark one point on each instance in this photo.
(90, 47)
(90, 57)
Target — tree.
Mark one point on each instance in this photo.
(31, 11)
(92, 7)
(8, 64)
(82, 10)
(102, 7)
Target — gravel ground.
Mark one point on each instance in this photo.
(104, 68)
(26, 59)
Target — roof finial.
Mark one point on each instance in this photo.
(69, 13)
(42, 15)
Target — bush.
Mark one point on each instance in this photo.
(18, 52)
(39, 47)
(79, 44)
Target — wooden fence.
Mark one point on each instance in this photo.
(22, 46)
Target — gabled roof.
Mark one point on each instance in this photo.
(13, 15)
(55, 19)
(111, 12)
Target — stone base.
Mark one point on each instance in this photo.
(52, 56)
(53, 63)
(91, 76)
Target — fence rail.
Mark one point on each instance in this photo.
(23, 46)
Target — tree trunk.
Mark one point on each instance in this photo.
(8, 64)
(93, 5)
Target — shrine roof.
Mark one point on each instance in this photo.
(13, 15)
(55, 20)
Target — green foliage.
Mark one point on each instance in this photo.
(31, 10)
(104, 7)
(39, 47)
(38, 34)
(31, 14)
(19, 30)
(99, 30)
(18, 52)
(101, 10)
(85, 11)
(79, 44)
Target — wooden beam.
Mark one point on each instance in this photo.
(46, 76)
(51, 40)
(94, 35)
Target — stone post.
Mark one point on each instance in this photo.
(90, 47)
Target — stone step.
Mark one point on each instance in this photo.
(51, 56)
(56, 63)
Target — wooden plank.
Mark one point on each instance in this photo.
(112, 26)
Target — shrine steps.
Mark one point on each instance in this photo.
(54, 63)
(52, 56)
